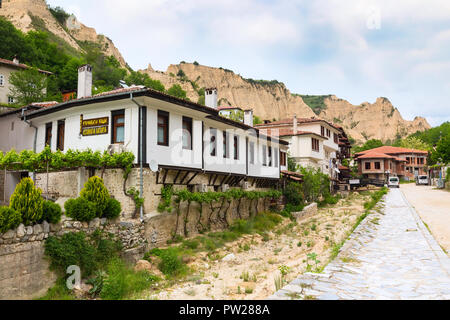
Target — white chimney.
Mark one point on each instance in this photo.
(295, 124)
(15, 59)
(211, 98)
(248, 117)
(84, 81)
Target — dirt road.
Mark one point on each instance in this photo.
(433, 206)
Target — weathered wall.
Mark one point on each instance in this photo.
(24, 272)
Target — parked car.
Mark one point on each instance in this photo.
(422, 180)
(394, 182)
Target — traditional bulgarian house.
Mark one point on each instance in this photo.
(6, 68)
(183, 142)
(379, 163)
(312, 142)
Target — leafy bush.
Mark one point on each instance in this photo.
(315, 184)
(76, 248)
(113, 209)
(51, 212)
(171, 262)
(293, 193)
(122, 281)
(9, 219)
(80, 209)
(27, 200)
(95, 191)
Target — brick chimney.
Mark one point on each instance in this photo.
(84, 81)
(211, 98)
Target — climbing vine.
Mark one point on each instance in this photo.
(209, 198)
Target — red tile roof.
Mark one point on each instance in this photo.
(228, 108)
(281, 132)
(20, 65)
(290, 121)
(375, 155)
(392, 150)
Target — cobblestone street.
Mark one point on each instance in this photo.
(391, 255)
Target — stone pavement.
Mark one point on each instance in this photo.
(391, 255)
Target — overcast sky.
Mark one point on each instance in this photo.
(356, 49)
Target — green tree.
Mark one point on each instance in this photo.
(442, 153)
(28, 86)
(13, 41)
(177, 91)
(27, 200)
(370, 144)
(414, 143)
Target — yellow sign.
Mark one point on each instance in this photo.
(95, 131)
(95, 122)
(92, 127)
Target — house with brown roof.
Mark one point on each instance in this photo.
(6, 68)
(379, 163)
(313, 142)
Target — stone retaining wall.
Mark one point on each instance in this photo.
(308, 211)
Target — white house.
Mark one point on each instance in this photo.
(176, 134)
(312, 142)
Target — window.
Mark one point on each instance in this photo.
(60, 137)
(213, 141)
(264, 159)
(270, 156)
(48, 134)
(322, 131)
(328, 133)
(336, 138)
(252, 153)
(283, 158)
(118, 127)
(226, 153)
(163, 128)
(187, 133)
(275, 156)
(377, 165)
(236, 147)
(315, 145)
(2, 80)
(10, 100)
(367, 165)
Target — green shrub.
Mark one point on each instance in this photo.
(95, 191)
(51, 212)
(293, 194)
(76, 248)
(113, 209)
(80, 209)
(9, 219)
(171, 262)
(27, 200)
(121, 281)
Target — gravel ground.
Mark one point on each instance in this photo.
(433, 207)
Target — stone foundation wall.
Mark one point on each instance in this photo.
(308, 211)
(24, 272)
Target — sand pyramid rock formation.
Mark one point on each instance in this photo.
(29, 15)
(272, 100)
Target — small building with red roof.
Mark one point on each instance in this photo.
(378, 163)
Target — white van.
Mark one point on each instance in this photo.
(394, 182)
(422, 180)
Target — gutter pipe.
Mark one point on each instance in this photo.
(35, 133)
(141, 156)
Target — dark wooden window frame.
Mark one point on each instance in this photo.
(377, 165)
(48, 134)
(187, 125)
(315, 144)
(165, 126)
(60, 135)
(367, 165)
(115, 115)
(236, 147)
(226, 153)
(213, 141)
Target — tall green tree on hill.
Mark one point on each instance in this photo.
(28, 86)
